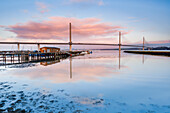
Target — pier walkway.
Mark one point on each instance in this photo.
(19, 57)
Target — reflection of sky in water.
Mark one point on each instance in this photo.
(140, 82)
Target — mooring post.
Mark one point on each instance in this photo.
(13, 58)
(18, 46)
(143, 43)
(119, 41)
(19, 57)
(70, 43)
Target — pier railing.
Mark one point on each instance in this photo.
(18, 57)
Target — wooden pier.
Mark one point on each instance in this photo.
(19, 57)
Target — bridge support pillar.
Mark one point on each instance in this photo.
(70, 43)
(38, 47)
(143, 43)
(119, 41)
(18, 46)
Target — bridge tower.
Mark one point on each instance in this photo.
(18, 46)
(143, 43)
(70, 43)
(38, 47)
(119, 41)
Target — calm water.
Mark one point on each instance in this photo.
(102, 82)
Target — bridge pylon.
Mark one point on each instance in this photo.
(119, 41)
(18, 46)
(70, 42)
(143, 43)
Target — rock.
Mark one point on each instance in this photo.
(61, 111)
(9, 109)
(3, 100)
(41, 106)
(78, 111)
(52, 101)
(2, 110)
(97, 102)
(19, 111)
(2, 104)
(18, 101)
(20, 92)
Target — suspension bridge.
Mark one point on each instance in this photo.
(70, 43)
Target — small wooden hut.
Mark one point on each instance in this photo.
(49, 49)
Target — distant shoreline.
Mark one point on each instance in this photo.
(150, 52)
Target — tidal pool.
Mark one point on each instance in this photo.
(102, 82)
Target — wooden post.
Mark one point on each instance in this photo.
(19, 58)
(70, 43)
(55, 56)
(11, 58)
(40, 55)
(143, 43)
(5, 58)
(18, 46)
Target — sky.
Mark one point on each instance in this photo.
(97, 21)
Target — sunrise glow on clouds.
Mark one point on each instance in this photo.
(94, 21)
(57, 27)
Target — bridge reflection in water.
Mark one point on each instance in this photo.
(48, 62)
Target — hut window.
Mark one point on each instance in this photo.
(48, 50)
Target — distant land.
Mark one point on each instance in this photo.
(151, 48)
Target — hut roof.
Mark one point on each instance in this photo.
(51, 47)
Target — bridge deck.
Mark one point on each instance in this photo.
(43, 43)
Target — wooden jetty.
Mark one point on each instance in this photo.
(21, 57)
(150, 52)
(18, 57)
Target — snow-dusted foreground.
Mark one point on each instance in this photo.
(62, 102)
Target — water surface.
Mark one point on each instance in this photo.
(102, 82)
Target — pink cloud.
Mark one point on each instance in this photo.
(2, 26)
(159, 42)
(57, 28)
(42, 7)
(100, 3)
(97, 2)
(80, 0)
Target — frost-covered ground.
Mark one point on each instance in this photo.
(38, 101)
(43, 101)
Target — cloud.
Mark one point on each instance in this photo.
(132, 17)
(42, 7)
(57, 28)
(80, 0)
(135, 19)
(2, 26)
(25, 11)
(98, 2)
(159, 42)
